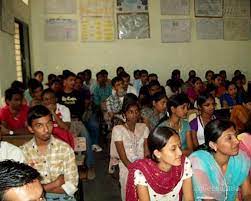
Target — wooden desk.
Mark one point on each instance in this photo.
(18, 139)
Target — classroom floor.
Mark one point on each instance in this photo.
(104, 187)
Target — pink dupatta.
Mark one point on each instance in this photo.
(161, 182)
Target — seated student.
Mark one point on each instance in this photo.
(13, 116)
(240, 82)
(89, 82)
(240, 114)
(74, 101)
(101, 91)
(56, 86)
(166, 175)
(231, 97)
(152, 76)
(142, 81)
(195, 90)
(136, 78)
(61, 117)
(52, 158)
(126, 79)
(152, 115)
(220, 88)
(9, 151)
(172, 87)
(130, 140)
(177, 108)
(114, 102)
(19, 182)
(220, 169)
(206, 107)
(119, 70)
(33, 95)
(223, 75)
(209, 78)
(39, 76)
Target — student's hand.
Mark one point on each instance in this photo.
(60, 180)
(52, 108)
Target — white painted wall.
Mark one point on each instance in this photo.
(53, 57)
(7, 54)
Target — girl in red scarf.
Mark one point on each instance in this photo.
(164, 174)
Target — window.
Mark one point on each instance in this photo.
(26, 2)
(18, 53)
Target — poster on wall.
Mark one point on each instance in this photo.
(133, 26)
(127, 6)
(96, 7)
(60, 6)
(175, 30)
(236, 29)
(174, 7)
(209, 28)
(97, 29)
(61, 30)
(236, 8)
(208, 8)
(7, 16)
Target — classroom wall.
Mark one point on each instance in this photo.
(7, 53)
(151, 54)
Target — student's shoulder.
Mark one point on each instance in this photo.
(61, 144)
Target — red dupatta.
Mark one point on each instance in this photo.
(161, 182)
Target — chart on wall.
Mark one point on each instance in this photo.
(209, 28)
(174, 7)
(125, 6)
(208, 8)
(60, 6)
(133, 26)
(97, 29)
(236, 8)
(96, 7)
(7, 16)
(236, 29)
(175, 30)
(61, 30)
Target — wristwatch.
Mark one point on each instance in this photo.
(11, 132)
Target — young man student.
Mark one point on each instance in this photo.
(127, 86)
(52, 158)
(19, 182)
(75, 102)
(14, 114)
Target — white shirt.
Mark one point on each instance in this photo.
(10, 152)
(63, 112)
(139, 179)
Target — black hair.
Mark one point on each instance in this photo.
(88, 72)
(123, 74)
(229, 84)
(153, 75)
(18, 85)
(143, 72)
(51, 77)
(158, 96)
(215, 76)
(129, 100)
(214, 130)
(115, 80)
(175, 73)
(136, 72)
(202, 98)
(48, 91)
(158, 138)
(207, 72)
(9, 93)
(65, 72)
(237, 72)
(223, 72)
(32, 82)
(192, 73)
(38, 72)
(195, 79)
(98, 74)
(68, 74)
(37, 112)
(153, 83)
(14, 174)
(174, 85)
(104, 72)
(176, 100)
(120, 68)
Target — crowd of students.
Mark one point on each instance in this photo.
(168, 141)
